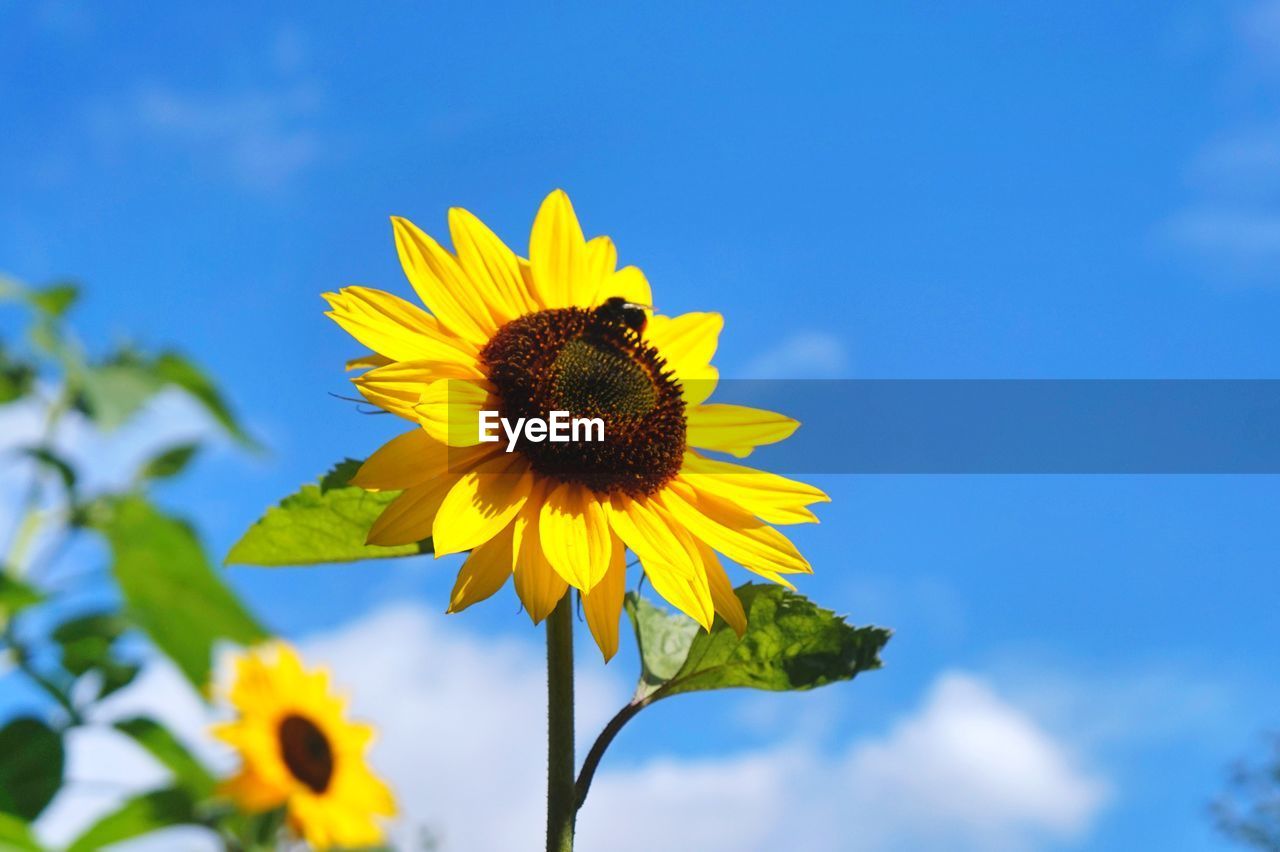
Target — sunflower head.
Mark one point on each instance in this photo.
(564, 331)
(299, 752)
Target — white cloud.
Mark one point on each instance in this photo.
(261, 135)
(462, 718)
(965, 771)
(806, 355)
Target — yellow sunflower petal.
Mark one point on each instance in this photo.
(558, 254)
(410, 517)
(486, 570)
(488, 262)
(736, 429)
(602, 606)
(449, 409)
(688, 593)
(367, 362)
(404, 461)
(575, 535)
(392, 327)
(772, 498)
(539, 586)
(728, 605)
(688, 343)
(442, 285)
(602, 260)
(638, 523)
(481, 503)
(396, 387)
(734, 532)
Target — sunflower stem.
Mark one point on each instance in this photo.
(562, 798)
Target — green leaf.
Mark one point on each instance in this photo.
(161, 744)
(16, 378)
(113, 393)
(138, 816)
(31, 761)
(177, 370)
(169, 588)
(321, 523)
(16, 836)
(87, 643)
(54, 462)
(664, 640)
(15, 595)
(56, 299)
(116, 390)
(790, 644)
(170, 463)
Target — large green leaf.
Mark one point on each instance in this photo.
(31, 761)
(189, 772)
(138, 816)
(790, 644)
(15, 835)
(169, 587)
(321, 523)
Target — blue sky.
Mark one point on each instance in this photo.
(1084, 190)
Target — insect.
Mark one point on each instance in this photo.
(630, 314)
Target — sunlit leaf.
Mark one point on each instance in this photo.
(664, 641)
(15, 835)
(790, 644)
(189, 772)
(31, 761)
(321, 523)
(55, 299)
(138, 816)
(170, 589)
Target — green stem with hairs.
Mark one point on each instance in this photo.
(562, 798)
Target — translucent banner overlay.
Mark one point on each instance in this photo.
(1017, 426)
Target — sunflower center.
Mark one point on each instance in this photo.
(592, 365)
(306, 752)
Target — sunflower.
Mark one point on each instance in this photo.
(560, 332)
(299, 752)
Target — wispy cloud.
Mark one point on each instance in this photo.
(261, 135)
(804, 355)
(1231, 222)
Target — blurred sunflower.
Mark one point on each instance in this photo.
(561, 332)
(299, 752)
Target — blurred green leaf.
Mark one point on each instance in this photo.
(138, 816)
(15, 835)
(171, 462)
(189, 772)
(16, 377)
(31, 761)
(15, 595)
(55, 463)
(177, 370)
(87, 647)
(55, 299)
(169, 588)
(95, 625)
(321, 523)
(790, 644)
(116, 390)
